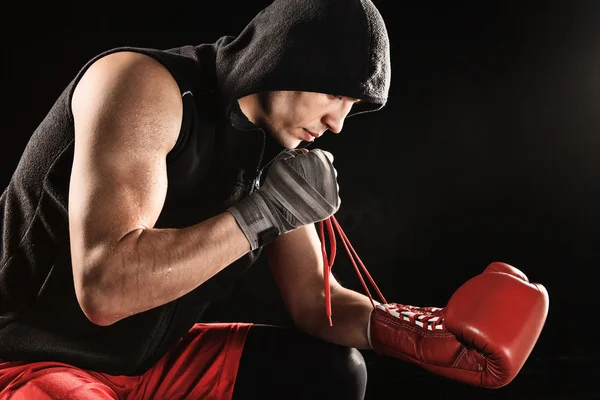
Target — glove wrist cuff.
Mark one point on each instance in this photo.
(369, 329)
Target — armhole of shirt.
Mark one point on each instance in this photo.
(187, 96)
(189, 107)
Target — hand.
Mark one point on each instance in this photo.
(482, 337)
(300, 188)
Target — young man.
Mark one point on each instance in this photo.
(137, 203)
(156, 180)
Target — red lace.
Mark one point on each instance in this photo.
(331, 222)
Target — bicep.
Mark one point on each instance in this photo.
(127, 113)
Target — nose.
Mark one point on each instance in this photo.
(335, 124)
(334, 120)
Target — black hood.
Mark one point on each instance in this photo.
(337, 47)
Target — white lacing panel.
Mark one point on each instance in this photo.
(422, 319)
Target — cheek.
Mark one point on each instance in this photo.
(311, 114)
(303, 112)
(295, 116)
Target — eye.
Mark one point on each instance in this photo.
(335, 97)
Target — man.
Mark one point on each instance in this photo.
(132, 209)
(156, 180)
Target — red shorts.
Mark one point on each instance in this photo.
(203, 365)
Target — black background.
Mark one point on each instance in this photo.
(488, 150)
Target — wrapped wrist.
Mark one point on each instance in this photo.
(254, 217)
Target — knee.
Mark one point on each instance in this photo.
(347, 373)
(352, 363)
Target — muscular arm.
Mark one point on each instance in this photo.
(128, 111)
(296, 262)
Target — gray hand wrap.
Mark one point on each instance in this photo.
(299, 189)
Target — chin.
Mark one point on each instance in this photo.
(297, 144)
(290, 143)
(286, 139)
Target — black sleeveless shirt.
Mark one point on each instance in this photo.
(212, 165)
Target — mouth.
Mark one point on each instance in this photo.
(312, 135)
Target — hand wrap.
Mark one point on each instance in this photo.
(299, 189)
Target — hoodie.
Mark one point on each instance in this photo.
(329, 46)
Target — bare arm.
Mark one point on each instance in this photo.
(296, 261)
(128, 113)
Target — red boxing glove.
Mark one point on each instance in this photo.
(482, 337)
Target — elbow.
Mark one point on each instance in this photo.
(96, 297)
(96, 315)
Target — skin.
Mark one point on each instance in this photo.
(128, 107)
(289, 115)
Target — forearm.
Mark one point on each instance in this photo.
(350, 315)
(151, 267)
(297, 265)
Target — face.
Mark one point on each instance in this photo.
(292, 116)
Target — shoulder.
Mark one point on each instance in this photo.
(126, 71)
(129, 90)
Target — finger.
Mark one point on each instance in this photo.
(325, 153)
(286, 154)
(328, 155)
(294, 152)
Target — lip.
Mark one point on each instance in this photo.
(313, 134)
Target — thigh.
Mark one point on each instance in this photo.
(203, 365)
(50, 380)
(282, 363)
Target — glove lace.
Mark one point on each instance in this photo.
(429, 318)
(328, 262)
